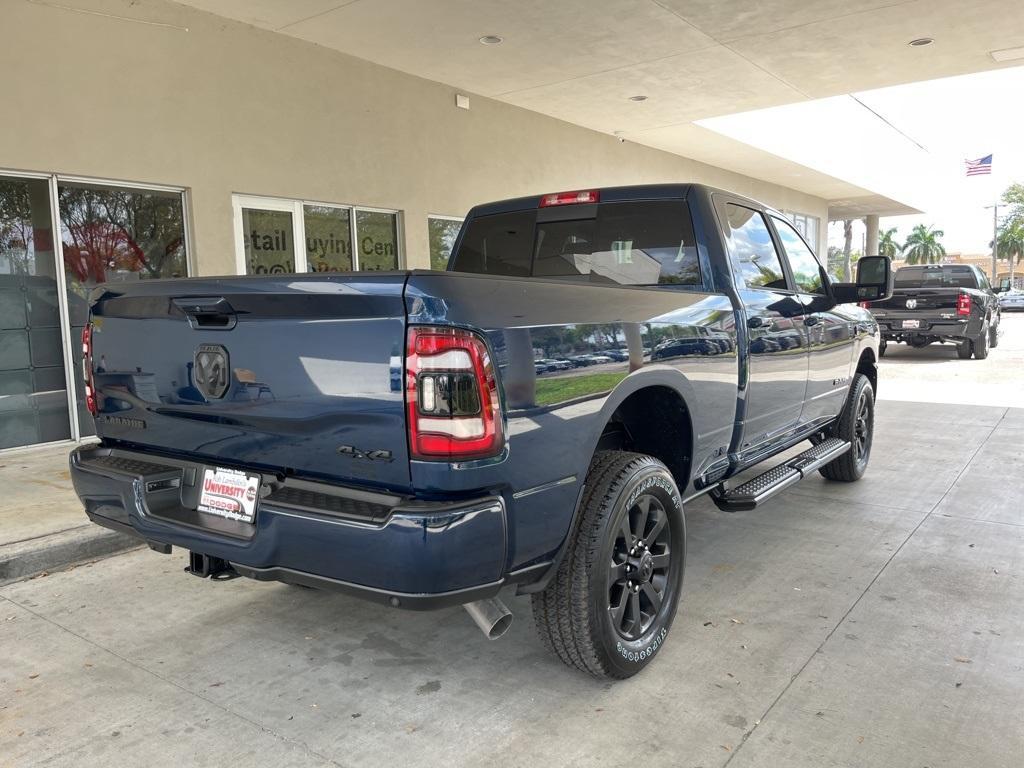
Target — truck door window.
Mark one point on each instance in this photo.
(751, 245)
(806, 269)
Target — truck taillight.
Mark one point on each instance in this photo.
(451, 396)
(963, 303)
(90, 391)
(864, 304)
(570, 198)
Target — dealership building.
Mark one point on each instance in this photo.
(146, 139)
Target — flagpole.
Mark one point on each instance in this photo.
(995, 237)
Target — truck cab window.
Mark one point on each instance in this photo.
(501, 244)
(648, 243)
(751, 245)
(805, 267)
(627, 243)
(936, 276)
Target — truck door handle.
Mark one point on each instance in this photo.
(812, 320)
(212, 312)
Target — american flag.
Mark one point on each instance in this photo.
(980, 166)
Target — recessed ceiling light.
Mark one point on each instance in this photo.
(921, 41)
(638, 98)
(492, 40)
(1008, 54)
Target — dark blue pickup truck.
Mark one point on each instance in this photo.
(394, 435)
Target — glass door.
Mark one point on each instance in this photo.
(33, 388)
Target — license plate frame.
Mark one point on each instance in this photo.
(229, 493)
(912, 324)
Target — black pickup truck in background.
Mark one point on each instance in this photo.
(942, 303)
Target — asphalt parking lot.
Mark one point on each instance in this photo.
(873, 624)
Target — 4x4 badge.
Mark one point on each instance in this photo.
(212, 371)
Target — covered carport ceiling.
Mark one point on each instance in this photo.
(582, 60)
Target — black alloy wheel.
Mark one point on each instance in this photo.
(856, 425)
(610, 604)
(862, 428)
(639, 569)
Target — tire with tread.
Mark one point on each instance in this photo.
(572, 614)
(981, 343)
(858, 415)
(993, 336)
(965, 349)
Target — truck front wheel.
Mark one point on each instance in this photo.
(611, 603)
(856, 425)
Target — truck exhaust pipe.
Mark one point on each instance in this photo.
(492, 616)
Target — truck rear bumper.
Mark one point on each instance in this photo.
(394, 550)
(930, 328)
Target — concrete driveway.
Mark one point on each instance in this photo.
(873, 624)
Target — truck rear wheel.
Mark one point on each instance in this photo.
(964, 349)
(993, 336)
(856, 425)
(981, 344)
(610, 605)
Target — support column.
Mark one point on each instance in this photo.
(871, 223)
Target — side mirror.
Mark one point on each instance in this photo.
(874, 281)
(1004, 285)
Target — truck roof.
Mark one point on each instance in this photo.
(679, 191)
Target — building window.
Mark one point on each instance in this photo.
(328, 238)
(115, 234)
(377, 236)
(442, 231)
(806, 225)
(275, 236)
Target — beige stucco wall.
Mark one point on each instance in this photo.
(223, 108)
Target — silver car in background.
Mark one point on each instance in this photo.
(1012, 300)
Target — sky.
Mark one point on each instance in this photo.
(955, 119)
(909, 143)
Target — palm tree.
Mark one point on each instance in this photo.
(1010, 244)
(923, 246)
(887, 245)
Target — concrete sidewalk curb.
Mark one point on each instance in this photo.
(55, 551)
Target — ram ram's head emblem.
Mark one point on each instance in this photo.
(211, 370)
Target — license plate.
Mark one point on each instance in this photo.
(911, 323)
(229, 493)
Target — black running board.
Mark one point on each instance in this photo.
(777, 479)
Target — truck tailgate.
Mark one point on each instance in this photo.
(296, 374)
(921, 299)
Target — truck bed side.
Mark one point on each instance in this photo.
(555, 419)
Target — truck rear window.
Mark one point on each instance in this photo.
(642, 243)
(936, 277)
